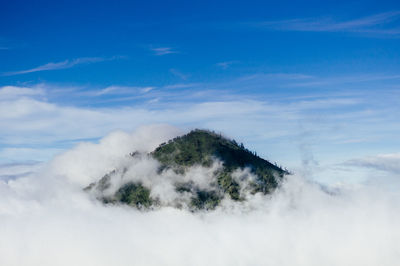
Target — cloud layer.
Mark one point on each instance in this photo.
(383, 162)
(39, 121)
(47, 219)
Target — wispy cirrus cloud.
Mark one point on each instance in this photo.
(374, 24)
(179, 74)
(340, 80)
(63, 65)
(384, 162)
(118, 90)
(226, 64)
(163, 51)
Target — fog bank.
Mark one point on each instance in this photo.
(47, 219)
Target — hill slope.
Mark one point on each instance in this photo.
(198, 149)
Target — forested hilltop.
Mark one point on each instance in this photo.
(240, 173)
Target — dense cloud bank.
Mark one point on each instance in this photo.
(47, 219)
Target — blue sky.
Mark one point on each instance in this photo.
(311, 84)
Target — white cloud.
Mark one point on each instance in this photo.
(163, 50)
(22, 154)
(117, 90)
(179, 74)
(226, 64)
(17, 170)
(370, 24)
(383, 162)
(298, 225)
(13, 92)
(89, 160)
(107, 90)
(62, 65)
(146, 89)
(32, 126)
(324, 82)
(181, 85)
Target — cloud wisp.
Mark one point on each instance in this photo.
(342, 80)
(179, 74)
(163, 51)
(226, 64)
(374, 24)
(62, 65)
(118, 90)
(384, 162)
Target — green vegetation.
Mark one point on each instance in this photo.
(200, 148)
(135, 195)
(230, 186)
(205, 200)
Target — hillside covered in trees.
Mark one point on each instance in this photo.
(240, 173)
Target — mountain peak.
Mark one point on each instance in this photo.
(230, 172)
(199, 146)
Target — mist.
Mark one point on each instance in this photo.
(47, 219)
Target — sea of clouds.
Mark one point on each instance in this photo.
(47, 219)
